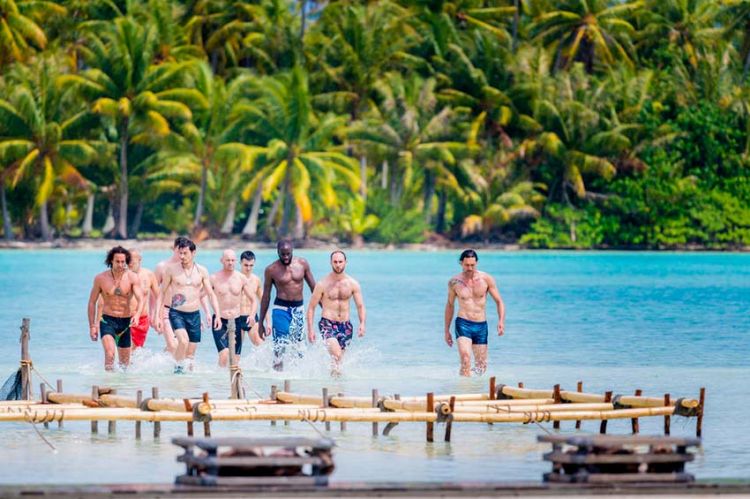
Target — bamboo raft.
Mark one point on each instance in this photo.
(501, 403)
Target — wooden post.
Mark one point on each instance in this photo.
(157, 424)
(342, 426)
(112, 425)
(274, 390)
(138, 401)
(667, 419)
(634, 422)
(25, 360)
(390, 426)
(59, 390)
(603, 425)
(430, 408)
(326, 404)
(94, 396)
(287, 388)
(449, 424)
(492, 388)
(558, 400)
(235, 375)
(375, 397)
(43, 394)
(189, 408)
(579, 389)
(699, 422)
(206, 424)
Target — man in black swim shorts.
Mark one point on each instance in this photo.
(471, 287)
(334, 292)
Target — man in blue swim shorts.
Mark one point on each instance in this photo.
(334, 292)
(288, 275)
(471, 287)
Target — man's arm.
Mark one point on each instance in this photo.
(361, 312)
(93, 297)
(308, 275)
(495, 294)
(140, 302)
(264, 301)
(211, 296)
(166, 283)
(314, 300)
(449, 312)
(246, 284)
(153, 297)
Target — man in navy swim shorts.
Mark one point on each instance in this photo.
(471, 287)
(334, 292)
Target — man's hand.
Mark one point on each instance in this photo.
(159, 325)
(94, 332)
(205, 322)
(449, 338)
(217, 322)
(310, 335)
(134, 321)
(361, 331)
(262, 331)
(500, 328)
(250, 321)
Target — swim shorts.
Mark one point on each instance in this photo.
(475, 331)
(138, 332)
(242, 323)
(189, 321)
(287, 323)
(339, 331)
(116, 327)
(221, 336)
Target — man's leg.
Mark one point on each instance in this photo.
(280, 319)
(108, 343)
(170, 339)
(182, 344)
(464, 355)
(190, 354)
(480, 358)
(123, 354)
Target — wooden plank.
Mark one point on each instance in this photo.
(620, 478)
(562, 457)
(250, 443)
(250, 461)
(252, 481)
(616, 440)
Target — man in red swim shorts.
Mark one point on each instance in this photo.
(150, 291)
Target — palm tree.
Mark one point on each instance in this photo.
(38, 141)
(301, 156)
(498, 205)
(414, 133)
(140, 98)
(19, 30)
(590, 31)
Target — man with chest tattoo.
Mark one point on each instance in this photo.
(471, 287)
(334, 293)
(287, 275)
(230, 287)
(117, 287)
(185, 282)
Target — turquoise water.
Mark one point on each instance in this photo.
(662, 322)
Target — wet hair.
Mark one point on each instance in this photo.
(247, 255)
(180, 240)
(186, 243)
(283, 243)
(117, 250)
(469, 253)
(338, 251)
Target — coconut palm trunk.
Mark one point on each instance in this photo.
(286, 212)
(251, 227)
(88, 219)
(44, 221)
(122, 222)
(228, 225)
(201, 196)
(7, 225)
(429, 192)
(363, 177)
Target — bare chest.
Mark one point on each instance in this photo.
(116, 287)
(339, 291)
(471, 290)
(187, 278)
(228, 287)
(292, 274)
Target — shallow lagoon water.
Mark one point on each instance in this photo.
(662, 322)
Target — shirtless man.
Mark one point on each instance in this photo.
(471, 288)
(287, 275)
(247, 264)
(184, 283)
(150, 289)
(334, 292)
(116, 287)
(230, 287)
(163, 327)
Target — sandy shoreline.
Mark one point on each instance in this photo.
(215, 244)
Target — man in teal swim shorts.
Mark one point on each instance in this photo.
(471, 287)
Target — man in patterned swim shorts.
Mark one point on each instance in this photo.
(334, 293)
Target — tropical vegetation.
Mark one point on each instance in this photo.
(545, 123)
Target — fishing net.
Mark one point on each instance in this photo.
(12, 388)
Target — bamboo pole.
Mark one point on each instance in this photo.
(579, 389)
(634, 422)
(189, 408)
(59, 388)
(501, 408)
(350, 401)
(94, 396)
(568, 396)
(26, 391)
(699, 422)
(405, 405)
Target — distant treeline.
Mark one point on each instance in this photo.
(586, 123)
